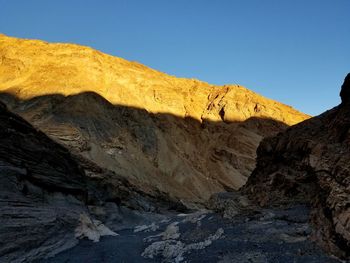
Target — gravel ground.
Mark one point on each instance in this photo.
(266, 235)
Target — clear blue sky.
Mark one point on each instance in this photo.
(294, 51)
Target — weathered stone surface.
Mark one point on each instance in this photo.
(310, 162)
(178, 136)
(47, 199)
(261, 235)
(229, 204)
(32, 68)
(157, 152)
(42, 192)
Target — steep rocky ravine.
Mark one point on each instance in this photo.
(310, 163)
(50, 198)
(119, 149)
(183, 137)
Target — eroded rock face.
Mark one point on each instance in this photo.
(48, 197)
(182, 137)
(157, 152)
(42, 192)
(32, 68)
(310, 162)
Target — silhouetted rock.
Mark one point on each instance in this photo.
(310, 162)
(345, 90)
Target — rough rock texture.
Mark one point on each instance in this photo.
(310, 162)
(31, 68)
(158, 152)
(42, 192)
(179, 136)
(45, 194)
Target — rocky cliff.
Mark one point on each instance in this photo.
(309, 162)
(42, 192)
(178, 136)
(48, 198)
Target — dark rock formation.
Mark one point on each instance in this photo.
(345, 90)
(310, 162)
(45, 192)
(42, 192)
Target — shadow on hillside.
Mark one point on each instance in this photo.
(90, 104)
(41, 167)
(185, 157)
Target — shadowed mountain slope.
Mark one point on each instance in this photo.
(310, 162)
(186, 158)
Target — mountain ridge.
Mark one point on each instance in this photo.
(24, 58)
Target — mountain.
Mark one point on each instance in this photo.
(182, 137)
(310, 163)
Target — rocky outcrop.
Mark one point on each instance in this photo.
(345, 90)
(182, 137)
(42, 192)
(49, 198)
(310, 162)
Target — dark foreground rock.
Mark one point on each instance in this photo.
(41, 192)
(257, 235)
(49, 198)
(310, 163)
